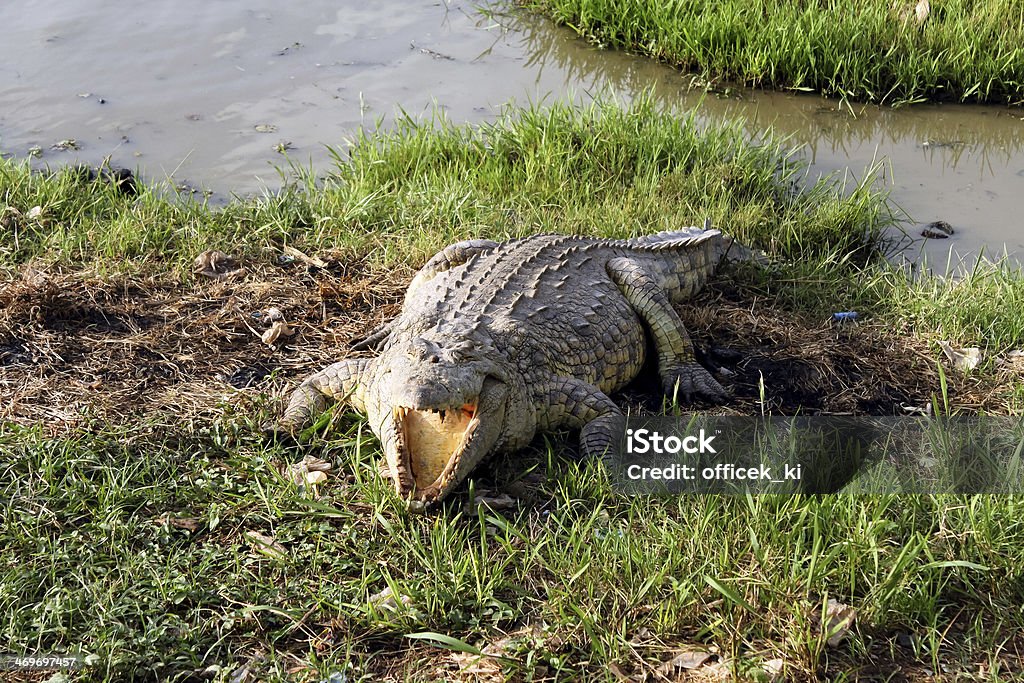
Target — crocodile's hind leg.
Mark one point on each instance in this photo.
(375, 340)
(680, 372)
(341, 381)
(572, 403)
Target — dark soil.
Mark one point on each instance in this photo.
(808, 366)
(74, 347)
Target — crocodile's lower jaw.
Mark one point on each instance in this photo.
(431, 443)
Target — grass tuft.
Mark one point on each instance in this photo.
(875, 50)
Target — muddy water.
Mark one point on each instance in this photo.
(209, 95)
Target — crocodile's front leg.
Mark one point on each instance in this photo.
(343, 381)
(677, 366)
(572, 403)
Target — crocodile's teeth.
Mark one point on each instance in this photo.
(402, 473)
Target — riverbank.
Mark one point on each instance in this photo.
(397, 196)
(876, 50)
(148, 523)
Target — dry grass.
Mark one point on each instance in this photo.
(75, 347)
(815, 366)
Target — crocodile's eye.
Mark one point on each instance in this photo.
(464, 351)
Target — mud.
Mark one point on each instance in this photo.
(74, 348)
(215, 95)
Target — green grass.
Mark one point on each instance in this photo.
(408, 192)
(90, 565)
(869, 50)
(90, 559)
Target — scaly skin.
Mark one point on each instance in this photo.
(516, 338)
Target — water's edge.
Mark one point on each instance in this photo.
(220, 95)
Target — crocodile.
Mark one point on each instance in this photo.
(497, 342)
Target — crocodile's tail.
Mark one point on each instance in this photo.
(717, 245)
(670, 240)
(682, 260)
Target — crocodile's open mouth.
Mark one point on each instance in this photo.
(431, 442)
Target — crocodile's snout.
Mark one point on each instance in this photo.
(438, 437)
(431, 398)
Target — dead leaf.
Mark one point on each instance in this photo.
(9, 217)
(266, 545)
(480, 669)
(314, 478)
(685, 660)
(35, 212)
(315, 464)
(277, 330)
(840, 619)
(925, 410)
(642, 637)
(187, 523)
(500, 502)
(34, 278)
(308, 260)
(265, 128)
(241, 674)
(386, 600)
(274, 314)
(774, 668)
(215, 264)
(965, 359)
(921, 11)
(299, 473)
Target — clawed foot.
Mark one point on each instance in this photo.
(693, 381)
(275, 431)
